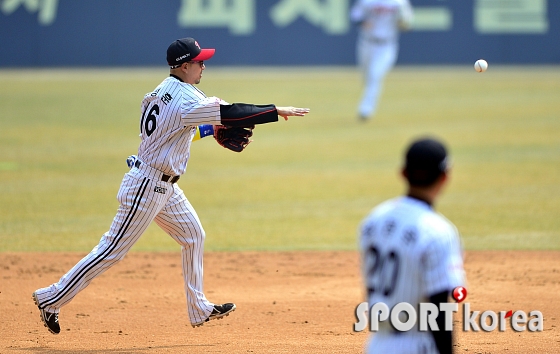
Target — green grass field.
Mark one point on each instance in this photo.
(302, 184)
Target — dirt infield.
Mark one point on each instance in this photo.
(287, 302)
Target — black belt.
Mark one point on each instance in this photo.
(164, 177)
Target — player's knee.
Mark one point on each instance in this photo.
(201, 235)
(192, 238)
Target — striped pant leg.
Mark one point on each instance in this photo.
(179, 219)
(138, 206)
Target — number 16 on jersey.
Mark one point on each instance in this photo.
(149, 120)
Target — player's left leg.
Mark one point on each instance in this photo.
(179, 219)
(139, 203)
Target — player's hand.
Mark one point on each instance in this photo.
(291, 111)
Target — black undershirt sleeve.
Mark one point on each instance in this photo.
(443, 338)
(246, 115)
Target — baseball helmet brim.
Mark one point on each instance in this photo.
(205, 54)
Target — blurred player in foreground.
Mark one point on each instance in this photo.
(172, 115)
(378, 44)
(413, 254)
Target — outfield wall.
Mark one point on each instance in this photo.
(51, 33)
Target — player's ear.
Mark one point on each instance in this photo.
(404, 173)
(442, 179)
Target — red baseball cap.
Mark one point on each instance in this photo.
(186, 49)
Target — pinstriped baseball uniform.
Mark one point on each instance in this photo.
(169, 117)
(185, 107)
(410, 252)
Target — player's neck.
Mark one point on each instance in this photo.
(421, 197)
(179, 74)
(426, 194)
(177, 77)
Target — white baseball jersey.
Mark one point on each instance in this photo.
(410, 252)
(168, 122)
(377, 46)
(170, 115)
(382, 19)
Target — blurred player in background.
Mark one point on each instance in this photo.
(377, 47)
(412, 254)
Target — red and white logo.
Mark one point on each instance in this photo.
(459, 294)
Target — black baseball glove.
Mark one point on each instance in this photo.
(234, 139)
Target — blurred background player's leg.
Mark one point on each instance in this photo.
(376, 59)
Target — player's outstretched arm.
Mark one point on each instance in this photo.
(286, 112)
(248, 115)
(239, 120)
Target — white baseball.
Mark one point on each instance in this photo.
(481, 65)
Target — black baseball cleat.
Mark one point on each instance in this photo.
(50, 319)
(218, 312)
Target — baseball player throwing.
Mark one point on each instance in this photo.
(412, 254)
(171, 115)
(377, 47)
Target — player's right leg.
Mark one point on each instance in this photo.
(179, 219)
(138, 206)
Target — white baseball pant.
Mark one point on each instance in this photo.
(376, 58)
(143, 197)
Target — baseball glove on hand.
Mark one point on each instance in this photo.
(234, 139)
